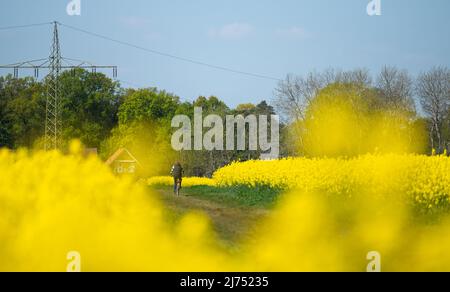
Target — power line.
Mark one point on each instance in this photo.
(54, 107)
(167, 55)
(25, 26)
(188, 60)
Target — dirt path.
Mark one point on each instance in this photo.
(232, 224)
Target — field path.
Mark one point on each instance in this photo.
(232, 224)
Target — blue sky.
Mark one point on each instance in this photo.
(266, 37)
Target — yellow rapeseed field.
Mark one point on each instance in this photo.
(422, 179)
(52, 204)
(187, 181)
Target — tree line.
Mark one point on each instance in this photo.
(422, 101)
(103, 115)
(97, 111)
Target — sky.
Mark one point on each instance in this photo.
(263, 37)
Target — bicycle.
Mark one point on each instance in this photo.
(178, 187)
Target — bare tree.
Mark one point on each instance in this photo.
(396, 88)
(433, 88)
(359, 77)
(295, 93)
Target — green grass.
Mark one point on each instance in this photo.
(234, 212)
(239, 196)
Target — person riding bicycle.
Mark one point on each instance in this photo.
(177, 173)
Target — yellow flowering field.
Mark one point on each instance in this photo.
(187, 181)
(52, 204)
(424, 179)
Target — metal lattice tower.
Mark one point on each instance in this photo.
(55, 64)
(53, 123)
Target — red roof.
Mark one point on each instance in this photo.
(117, 154)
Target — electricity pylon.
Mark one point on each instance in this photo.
(55, 64)
(53, 121)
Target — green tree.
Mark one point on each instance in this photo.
(90, 103)
(211, 105)
(204, 163)
(347, 119)
(263, 108)
(6, 139)
(147, 105)
(22, 111)
(245, 107)
(144, 129)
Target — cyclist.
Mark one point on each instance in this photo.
(177, 173)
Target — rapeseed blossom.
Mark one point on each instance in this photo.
(422, 179)
(335, 213)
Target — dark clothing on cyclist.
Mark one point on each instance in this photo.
(177, 173)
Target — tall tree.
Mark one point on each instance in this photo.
(147, 105)
(144, 129)
(206, 162)
(346, 119)
(5, 131)
(22, 111)
(396, 90)
(294, 95)
(90, 102)
(433, 88)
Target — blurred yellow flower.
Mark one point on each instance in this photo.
(337, 212)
